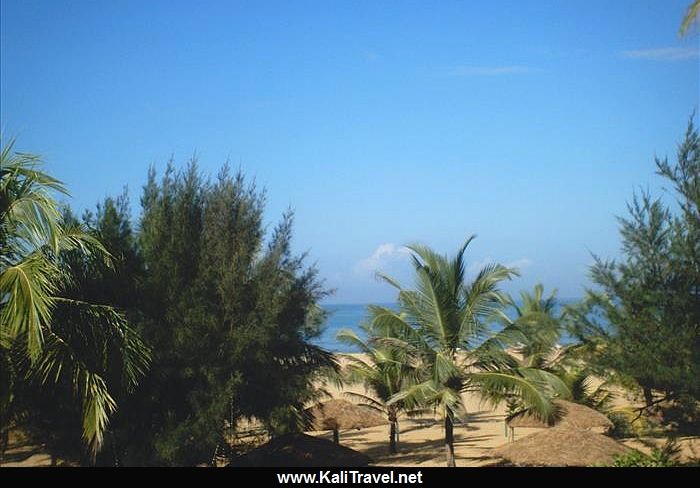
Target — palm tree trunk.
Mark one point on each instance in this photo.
(336, 436)
(4, 439)
(648, 397)
(449, 441)
(392, 436)
(114, 450)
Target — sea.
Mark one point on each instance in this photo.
(350, 316)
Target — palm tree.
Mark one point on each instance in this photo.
(47, 334)
(536, 317)
(444, 322)
(384, 370)
(542, 327)
(28, 224)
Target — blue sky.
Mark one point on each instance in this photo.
(381, 123)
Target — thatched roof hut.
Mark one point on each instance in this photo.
(569, 414)
(561, 446)
(526, 419)
(301, 450)
(339, 414)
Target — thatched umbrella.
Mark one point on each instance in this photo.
(569, 414)
(301, 450)
(561, 446)
(339, 414)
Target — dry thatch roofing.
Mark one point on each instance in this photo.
(561, 446)
(341, 414)
(570, 414)
(301, 450)
(526, 419)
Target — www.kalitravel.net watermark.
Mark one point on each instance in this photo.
(349, 476)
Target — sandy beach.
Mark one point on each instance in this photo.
(421, 438)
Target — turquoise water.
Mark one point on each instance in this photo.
(350, 317)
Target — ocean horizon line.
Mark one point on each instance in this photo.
(357, 304)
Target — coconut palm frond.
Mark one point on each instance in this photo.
(28, 286)
(102, 332)
(367, 401)
(448, 337)
(47, 337)
(350, 338)
(496, 387)
(59, 362)
(691, 17)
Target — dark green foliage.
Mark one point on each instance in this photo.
(621, 425)
(88, 335)
(665, 457)
(111, 223)
(228, 311)
(67, 360)
(584, 385)
(651, 297)
(229, 316)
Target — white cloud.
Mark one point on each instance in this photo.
(663, 53)
(490, 70)
(383, 255)
(476, 266)
(520, 263)
(389, 257)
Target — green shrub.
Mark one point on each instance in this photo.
(665, 457)
(622, 427)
